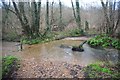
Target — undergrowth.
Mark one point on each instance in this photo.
(104, 40)
(9, 65)
(102, 71)
(53, 36)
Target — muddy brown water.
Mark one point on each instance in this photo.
(51, 51)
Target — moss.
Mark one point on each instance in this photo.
(102, 71)
(9, 65)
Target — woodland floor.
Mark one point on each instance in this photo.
(48, 69)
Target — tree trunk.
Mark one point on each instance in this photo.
(30, 30)
(38, 17)
(60, 22)
(106, 15)
(78, 14)
(22, 18)
(47, 15)
(52, 17)
(118, 20)
(86, 26)
(36, 10)
(48, 29)
(109, 13)
(73, 10)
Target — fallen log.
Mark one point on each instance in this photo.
(79, 48)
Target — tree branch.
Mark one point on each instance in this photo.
(7, 7)
(11, 11)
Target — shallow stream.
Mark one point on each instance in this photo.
(52, 51)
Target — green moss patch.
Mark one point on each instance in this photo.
(102, 71)
(9, 65)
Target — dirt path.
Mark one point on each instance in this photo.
(48, 69)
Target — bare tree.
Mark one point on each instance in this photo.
(73, 10)
(60, 22)
(109, 9)
(19, 11)
(48, 27)
(78, 14)
(52, 17)
(36, 10)
(118, 19)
